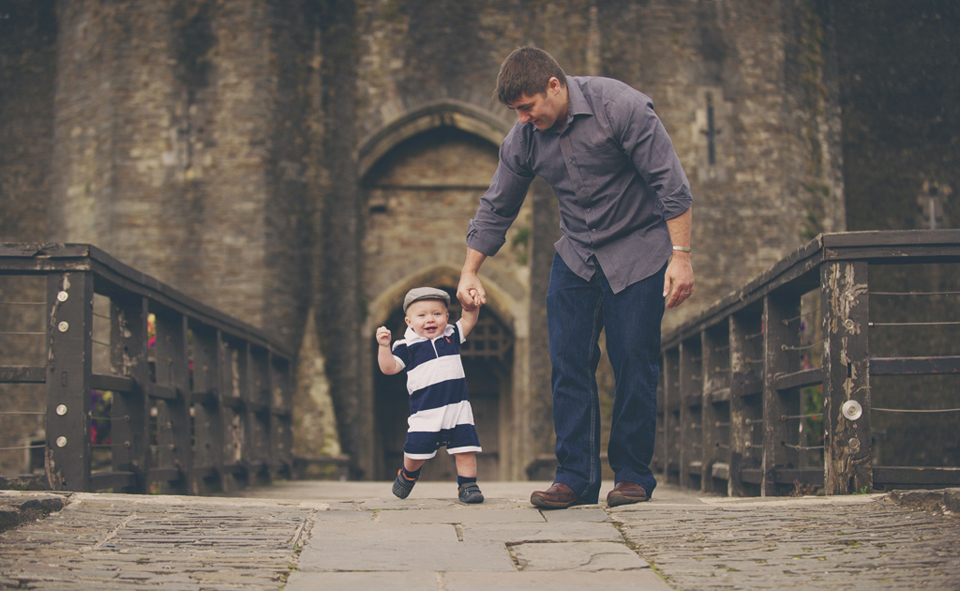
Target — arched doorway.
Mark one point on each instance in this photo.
(487, 357)
(423, 177)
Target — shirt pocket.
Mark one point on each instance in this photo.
(599, 159)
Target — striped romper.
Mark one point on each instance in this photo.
(440, 411)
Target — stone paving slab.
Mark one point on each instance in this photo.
(525, 532)
(577, 556)
(323, 554)
(475, 514)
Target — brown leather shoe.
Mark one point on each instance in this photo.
(558, 496)
(625, 493)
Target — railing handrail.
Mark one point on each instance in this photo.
(877, 246)
(208, 399)
(52, 257)
(733, 375)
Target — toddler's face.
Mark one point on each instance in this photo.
(427, 318)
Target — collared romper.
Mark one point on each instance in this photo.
(440, 411)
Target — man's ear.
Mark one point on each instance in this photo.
(553, 84)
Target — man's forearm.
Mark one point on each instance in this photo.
(679, 228)
(472, 262)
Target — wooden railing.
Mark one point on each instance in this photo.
(199, 402)
(734, 409)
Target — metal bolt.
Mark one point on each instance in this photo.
(852, 410)
(62, 296)
(61, 409)
(127, 445)
(172, 447)
(854, 444)
(848, 323)
(850, 296)
(61, 441)
(63, 326)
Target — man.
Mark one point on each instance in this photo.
(624, 210)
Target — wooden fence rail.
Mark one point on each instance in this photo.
(732, 380)
(206, 408)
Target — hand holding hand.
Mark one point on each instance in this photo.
(470, 292)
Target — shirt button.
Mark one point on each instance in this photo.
(589, 210)
(591, 231)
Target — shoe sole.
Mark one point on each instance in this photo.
(617, 500)
(545, 504)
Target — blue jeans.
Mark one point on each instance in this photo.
(577, 311)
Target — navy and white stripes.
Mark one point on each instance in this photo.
(440, 411)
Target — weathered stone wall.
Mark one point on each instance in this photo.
(180, 149)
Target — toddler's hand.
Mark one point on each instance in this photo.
(475, 295)
(383, 336)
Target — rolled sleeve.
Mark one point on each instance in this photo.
(647, 144)
(501, 203)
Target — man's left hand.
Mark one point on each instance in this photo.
(678, 281)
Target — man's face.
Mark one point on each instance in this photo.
(427, 318)
(544, 109)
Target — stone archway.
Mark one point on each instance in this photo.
(422, 177)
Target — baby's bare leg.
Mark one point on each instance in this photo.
(412, 465)
(466, 464)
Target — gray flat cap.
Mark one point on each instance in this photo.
(424, 293)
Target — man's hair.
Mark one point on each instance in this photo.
(527, 70)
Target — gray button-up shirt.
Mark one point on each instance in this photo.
(614, 172)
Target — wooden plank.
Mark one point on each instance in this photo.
(905, 475)
(131, 410)
(720, 471)
(173, 415)
(751, 475)
(122, 384)
(894, 366)
(691, 396)
(781, 338)
(716, 374)
(882, 238)
(69, 362)
(844, 304)
(718, 395)
(161, 392)
(799, 379)
(22, 374)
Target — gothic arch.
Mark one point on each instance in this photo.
(448, 113)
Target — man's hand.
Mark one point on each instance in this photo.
(678, 281)
(470, 291)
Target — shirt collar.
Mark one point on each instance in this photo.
(576, 104)
(412, 337)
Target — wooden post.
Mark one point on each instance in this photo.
(173, 413)
(258, 416)
(846, 377)
(69, 365)
(715, 412)
(281, 416)
(207, 409)
(743, 350)
(130, 430)
(671, 413)
(781, 338)
(691, 395)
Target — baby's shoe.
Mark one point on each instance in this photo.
(402, 486)
(470, 493)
